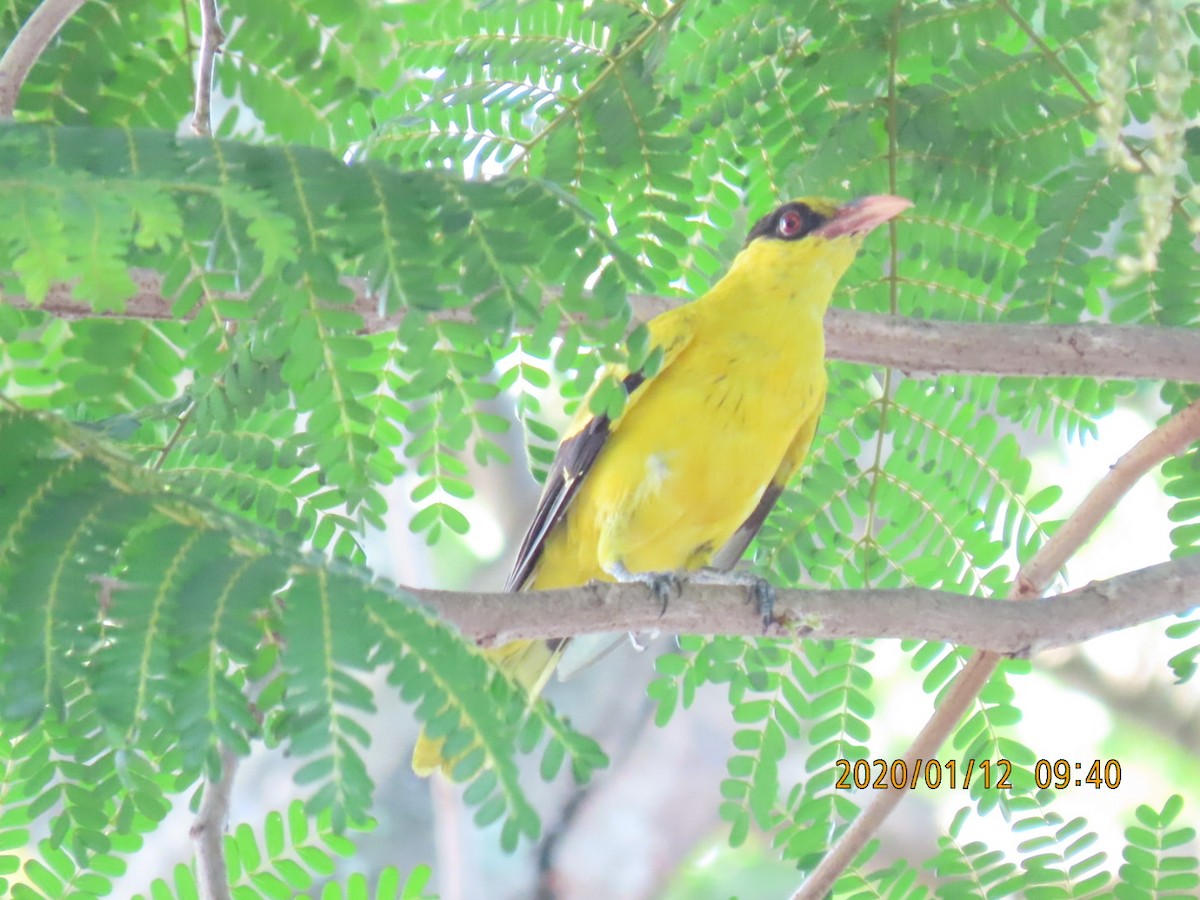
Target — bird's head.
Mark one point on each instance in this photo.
(816, 236)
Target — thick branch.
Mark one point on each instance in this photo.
(702, 608)
(33, 38)
(211, 38)
(1168, 439)
(920, 347)
(208, 831)
(914, 346)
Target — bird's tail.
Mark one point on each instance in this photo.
(528, 663)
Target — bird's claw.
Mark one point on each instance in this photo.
(664, 584)
(762, 595)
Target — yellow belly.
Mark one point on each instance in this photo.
(683, 468)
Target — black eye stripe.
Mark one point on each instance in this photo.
(769, 226)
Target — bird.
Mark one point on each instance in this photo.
(684, 476)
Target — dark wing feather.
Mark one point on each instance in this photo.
(729, 554)
(574, 459)
(727, 557)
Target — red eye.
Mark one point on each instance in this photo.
(790, 224)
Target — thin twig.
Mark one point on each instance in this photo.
(181, 423)
(188, 47)
(33, 38)
(211, 39)
(914, 346)
(208, 831)
(1169, 439)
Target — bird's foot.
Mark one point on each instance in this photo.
(663, 584)
(761, 591)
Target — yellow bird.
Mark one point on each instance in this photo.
(685, 476)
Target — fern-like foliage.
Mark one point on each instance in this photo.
(288, 855)
(215, 354)
(261, 224)
(1155, 863)
(136, 657)
(1056, 859)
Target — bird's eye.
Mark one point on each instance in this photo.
(791, 223)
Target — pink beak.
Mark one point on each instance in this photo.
(862, 215)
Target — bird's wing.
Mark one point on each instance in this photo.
(583, 443)
(727, 557)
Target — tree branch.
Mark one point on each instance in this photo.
(208, 831)
(1169, 439)
(914, 346)
(705, 608)
(930, 347)
(33, 38)
(211, 38)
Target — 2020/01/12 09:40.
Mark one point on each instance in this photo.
(934, 774)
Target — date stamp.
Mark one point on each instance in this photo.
(932, 773)
(953, 775)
